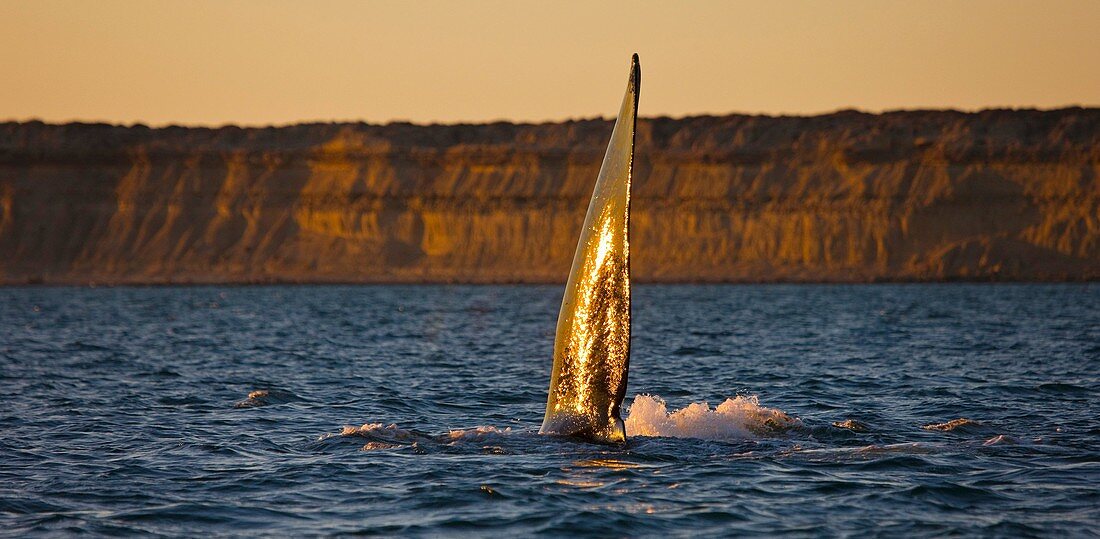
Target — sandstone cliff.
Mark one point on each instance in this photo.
(921, 195)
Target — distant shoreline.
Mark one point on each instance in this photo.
(998, 195)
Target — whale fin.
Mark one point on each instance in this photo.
(592, 347)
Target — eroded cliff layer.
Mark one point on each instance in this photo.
(922, 195)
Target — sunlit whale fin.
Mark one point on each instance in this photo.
(592, 347)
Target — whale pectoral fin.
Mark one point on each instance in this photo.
(592, 346)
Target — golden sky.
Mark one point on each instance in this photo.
(275, 62)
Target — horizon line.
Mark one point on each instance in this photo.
(572, 119)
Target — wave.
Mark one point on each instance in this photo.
(479, 433)
(380, 436)
(1002, 439)
(739, 418)
(960, 424)
(266, 397)
(852, 425)
(391, 431)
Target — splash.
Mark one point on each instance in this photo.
(739, 418)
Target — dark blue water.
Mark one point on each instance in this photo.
(128, 410)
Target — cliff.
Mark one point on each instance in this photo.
(853, 197)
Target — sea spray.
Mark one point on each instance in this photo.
(739, 418)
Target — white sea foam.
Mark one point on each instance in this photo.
(478, 433)
(739, 418)
(379, 430)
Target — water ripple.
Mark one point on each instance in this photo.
(913, 411)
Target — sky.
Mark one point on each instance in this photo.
(163, 62)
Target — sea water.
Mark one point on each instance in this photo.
(906, 410)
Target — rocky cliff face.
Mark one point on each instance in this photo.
(923, 195)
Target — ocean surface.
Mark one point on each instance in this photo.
(804, 410)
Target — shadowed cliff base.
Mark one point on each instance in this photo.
(843, 197)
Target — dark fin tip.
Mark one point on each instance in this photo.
(636, 78)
